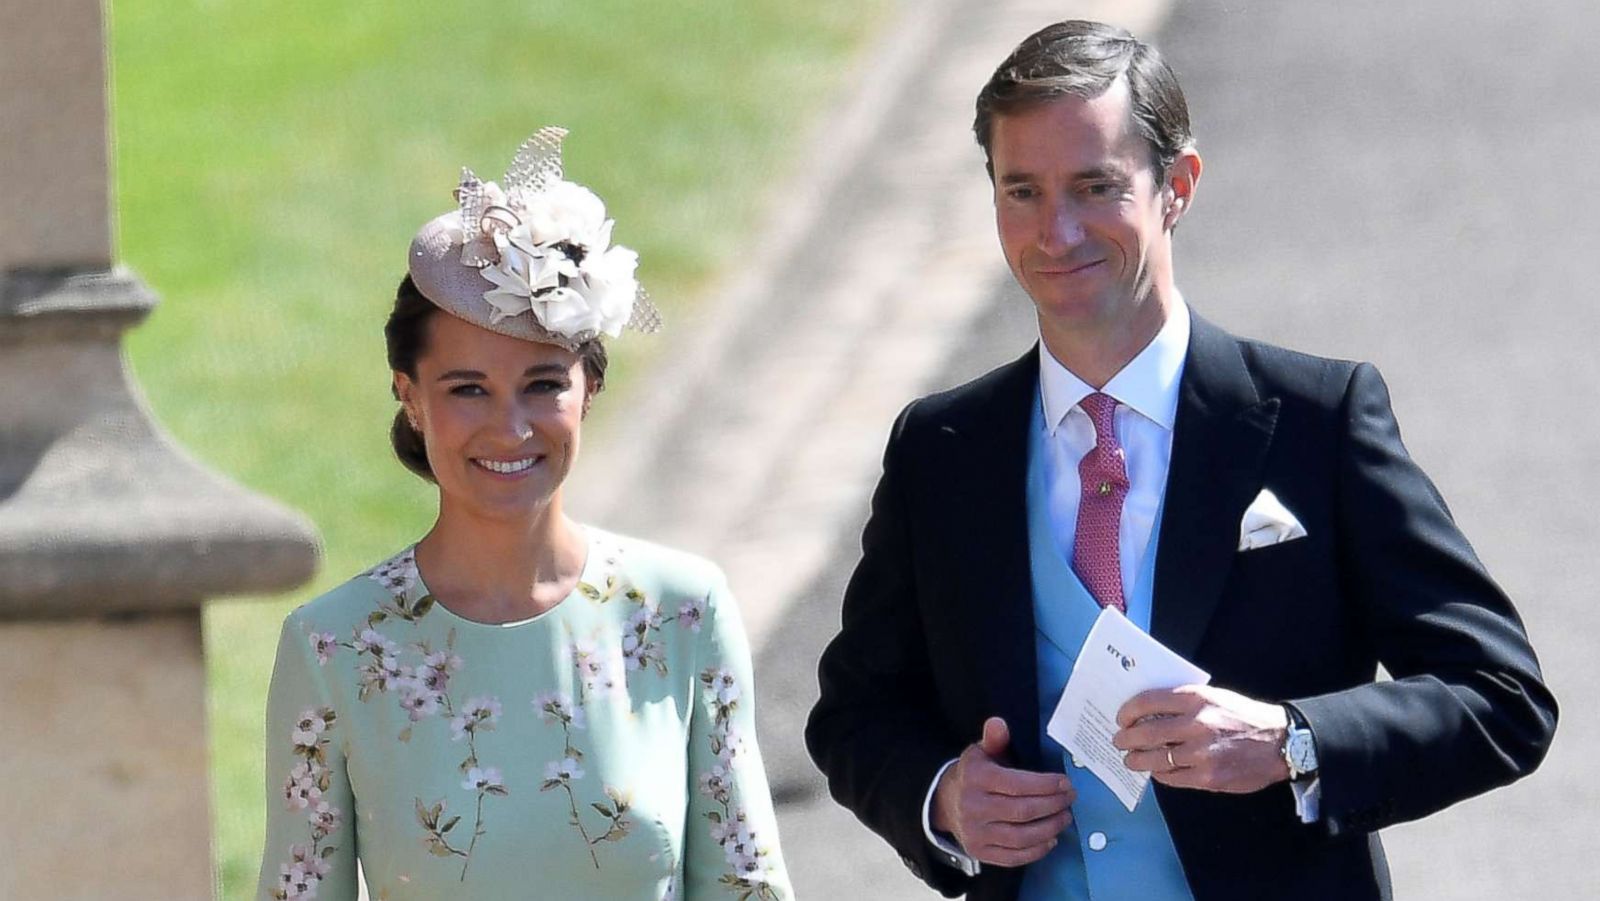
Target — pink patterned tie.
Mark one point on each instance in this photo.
(1104, 479)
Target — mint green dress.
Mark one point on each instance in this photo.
(603, 749)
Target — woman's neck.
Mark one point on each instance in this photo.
(500, 571)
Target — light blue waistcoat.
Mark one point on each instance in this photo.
(1137, 861)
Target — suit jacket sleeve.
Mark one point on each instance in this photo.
(876, 732)
(1467, 709)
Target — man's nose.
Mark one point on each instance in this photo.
(1061, 230)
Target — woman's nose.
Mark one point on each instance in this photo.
(514, 423)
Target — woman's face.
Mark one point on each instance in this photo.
(500, 416)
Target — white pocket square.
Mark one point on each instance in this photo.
(1267, 522)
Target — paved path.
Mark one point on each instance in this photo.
(1410, 186)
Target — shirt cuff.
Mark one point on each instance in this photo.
(949, 851)
(1307, 800)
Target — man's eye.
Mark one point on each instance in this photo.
(1021, 193)
(547, 386)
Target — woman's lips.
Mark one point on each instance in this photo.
(514, 468)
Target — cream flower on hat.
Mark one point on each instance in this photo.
(609, 279)
(525, 270)
(565, 212)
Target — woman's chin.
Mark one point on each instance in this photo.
(513, 501)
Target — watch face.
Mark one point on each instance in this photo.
(1302, 753)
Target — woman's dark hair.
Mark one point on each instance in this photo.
(406, 336)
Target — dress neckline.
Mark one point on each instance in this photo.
(588, 574)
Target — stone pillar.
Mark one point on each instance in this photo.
(110, 537)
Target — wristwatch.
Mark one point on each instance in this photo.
(1299, 747)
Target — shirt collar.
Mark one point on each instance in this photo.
(1148, 384)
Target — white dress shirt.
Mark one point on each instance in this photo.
(1146, 392)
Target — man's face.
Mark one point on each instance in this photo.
(1083, 219)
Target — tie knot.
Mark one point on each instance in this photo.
(1100, 409)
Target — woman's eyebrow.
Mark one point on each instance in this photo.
(460, 375)
(544, 369)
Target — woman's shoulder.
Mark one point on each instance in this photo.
(351, 603)
(670, 572)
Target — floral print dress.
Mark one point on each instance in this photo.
(603, 749)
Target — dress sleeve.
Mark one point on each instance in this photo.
(311, 844)
(731, 833)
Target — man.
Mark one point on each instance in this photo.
(1252, 507)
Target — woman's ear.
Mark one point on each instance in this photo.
(405, 392)
(591, 387)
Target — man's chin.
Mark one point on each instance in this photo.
(1074, 311)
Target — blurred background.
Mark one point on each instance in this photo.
(1404, 184)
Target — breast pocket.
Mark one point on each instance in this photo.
(1279, 616)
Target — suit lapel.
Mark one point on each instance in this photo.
(988, 438)
(1219, 443)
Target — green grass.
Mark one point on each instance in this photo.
(273, 160)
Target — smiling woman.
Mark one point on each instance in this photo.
(407, 335)
(266, 155)
(479, 404)
(516, 699)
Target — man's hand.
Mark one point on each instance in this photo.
(1199, 736)
(999, 815)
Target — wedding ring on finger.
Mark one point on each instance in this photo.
(1172, 765)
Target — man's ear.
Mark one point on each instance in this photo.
(1183, 177)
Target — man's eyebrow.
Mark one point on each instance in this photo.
(1103, 172)
(1098, 173)
(1095, 173)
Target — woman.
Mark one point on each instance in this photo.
(517, 706)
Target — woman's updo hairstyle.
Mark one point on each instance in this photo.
(405, 336)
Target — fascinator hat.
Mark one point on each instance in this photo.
(531, 256)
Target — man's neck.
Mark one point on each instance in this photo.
(1096, 354)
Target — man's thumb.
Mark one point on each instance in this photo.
(996, 737)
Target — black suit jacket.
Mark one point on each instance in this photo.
(938, 628)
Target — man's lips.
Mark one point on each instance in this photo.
(1067, 268)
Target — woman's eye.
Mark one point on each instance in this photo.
(467, 391)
